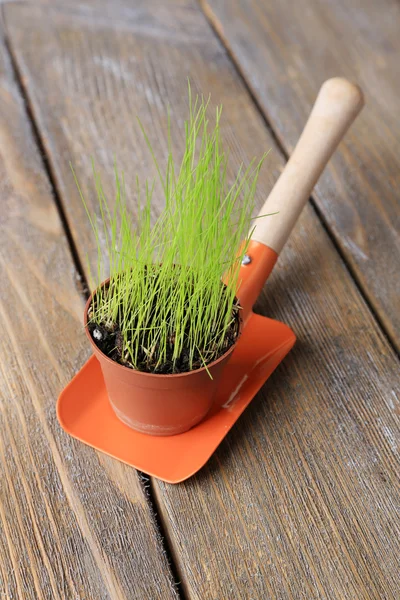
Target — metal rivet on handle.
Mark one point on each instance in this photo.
(246, 259)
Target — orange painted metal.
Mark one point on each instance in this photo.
(84, 410)
(254, 275)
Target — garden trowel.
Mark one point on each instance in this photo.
(83, 407)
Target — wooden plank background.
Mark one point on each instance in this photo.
(73, 523)
(285, 50)
(300, 499)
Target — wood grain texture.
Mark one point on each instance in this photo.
(73, 523)
(300, 500)
(285, 50)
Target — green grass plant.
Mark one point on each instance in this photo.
(165, 308)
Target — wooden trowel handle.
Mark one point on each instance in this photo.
(337, 105)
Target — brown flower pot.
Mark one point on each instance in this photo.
(158, 404)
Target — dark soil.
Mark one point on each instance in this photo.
(109, 340)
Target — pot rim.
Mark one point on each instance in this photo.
(144, 373)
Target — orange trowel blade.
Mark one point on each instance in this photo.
(85, 413)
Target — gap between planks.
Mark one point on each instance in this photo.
(84, 291)
(217, 29)
(83, 283)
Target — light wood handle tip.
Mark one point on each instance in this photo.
(339, 93)
(339, 86)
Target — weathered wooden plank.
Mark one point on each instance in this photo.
(300, 500)
(73, 523)
(285, 50)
